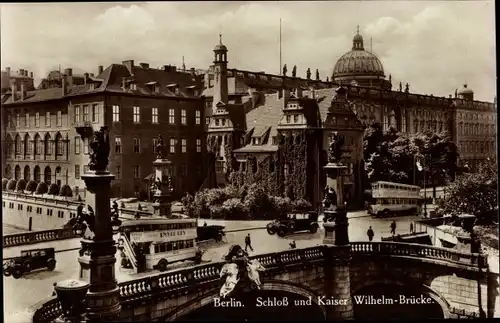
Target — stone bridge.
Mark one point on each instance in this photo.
(450, 283)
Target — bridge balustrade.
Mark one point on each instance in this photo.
(18, 239)
(209, 274)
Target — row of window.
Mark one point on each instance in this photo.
(27, 120)
(476, 129)
(173, 245)
(430, 125)
(87, 113)
(39, 210)
(396, 201)
(172, 143)
(160, 227)
(477, 147)
(118, 171)
(37, 146)
(136, 113)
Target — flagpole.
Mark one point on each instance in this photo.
(280, 71)
(425, 190)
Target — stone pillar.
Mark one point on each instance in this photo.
(163, 187)
(337, 250)
(97, 257)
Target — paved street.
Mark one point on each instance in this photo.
(28, 290)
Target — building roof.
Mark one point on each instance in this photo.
(358, 62)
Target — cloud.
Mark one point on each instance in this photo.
(434, 46)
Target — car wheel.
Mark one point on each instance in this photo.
(218, 238)
(271, 231)
(51, 264)
(27, 266)
(7, 273)
(17, 273)
(281, 232)
(162, 265)
(314, 228)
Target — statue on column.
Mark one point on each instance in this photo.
(308, 73)
(335, 149)
(159, 147)
(400, 87)
(284, 70)
(317, 75)
(99, 150)
(294, 71)
(407, 88)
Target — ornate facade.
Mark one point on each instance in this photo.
(278, 136)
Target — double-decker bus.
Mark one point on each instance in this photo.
(155, 243)
(394, 199)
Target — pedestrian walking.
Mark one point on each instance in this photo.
(393, 227)
(293, 245)
(370, 233)
(248, 243)
(411, 227)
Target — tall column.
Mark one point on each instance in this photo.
(97, 256)
(336, 240)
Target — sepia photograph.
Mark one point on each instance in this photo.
(249, 161)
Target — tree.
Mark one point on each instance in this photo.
(31, 186)
(4, 183)
(257, 202)
(53, 189)
(21, 185)
(11, 185)
(473, 193)
(42, 188)
(65, 191)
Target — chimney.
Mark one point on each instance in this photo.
(64, 85)
(25, 72)
(23, 93)
(144, 65)
(7, 69)
(21, 72)
(130, 66)
(100, 68)
(31, 74)
(13, 90)
(85, 78)
(68, 72)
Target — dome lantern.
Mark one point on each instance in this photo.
(357, 41)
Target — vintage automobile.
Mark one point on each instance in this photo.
(294, 222)
(208, 232)
(30, 260)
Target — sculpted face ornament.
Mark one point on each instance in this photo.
(237, 268)
(99, 146)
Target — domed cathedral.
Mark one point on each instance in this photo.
(359, 67)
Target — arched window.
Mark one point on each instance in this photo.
(19, 145)
(58, 176)
(47, 175)
(10, 145)
(8, 171)
(27, 145)
(17, 173)
(26, 173)
(38, 145)
(36, 174)
(59, 145)
(48, 145)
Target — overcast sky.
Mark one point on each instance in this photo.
(434, 46)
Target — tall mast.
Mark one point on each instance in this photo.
(280, 50)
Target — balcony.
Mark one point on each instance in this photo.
(83, 128)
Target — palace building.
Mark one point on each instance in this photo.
(275, 130)
(46, 131)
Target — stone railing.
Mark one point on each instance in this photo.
(400, 236)
(179, 281)
(418, 250)
(48, 199)
(18, 239)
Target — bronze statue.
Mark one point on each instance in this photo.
(156, 187)
(294, 71)
(317, 75)
(115, 213)
(400, 87)
(407, 88)
(308, 73)
(159, 147)
(284, 70)
(330, 197)
(335, 150)
(100, 150)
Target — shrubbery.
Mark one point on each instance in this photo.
(4, 183)
(21, 185)
(11, 185)
(31, 186)
(246, 202)
(66, 191)
(42, 188)
(53, 189)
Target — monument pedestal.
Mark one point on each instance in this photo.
(336, 240)
(97, 256)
